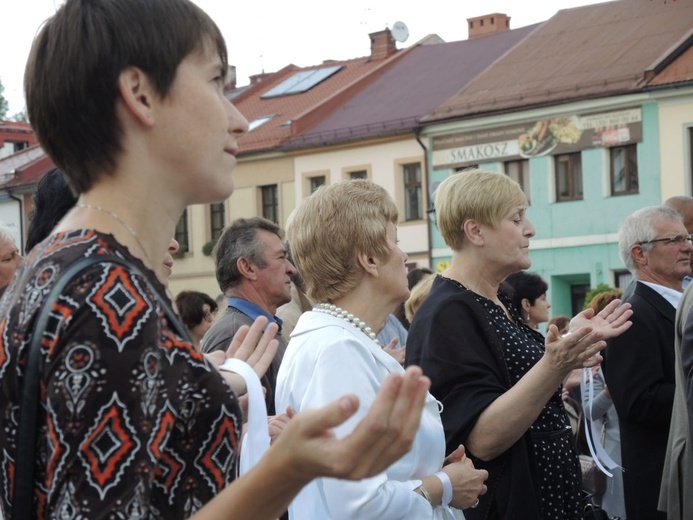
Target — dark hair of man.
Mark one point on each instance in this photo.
(241, 240)
(71, 77)
(523, 285)
(52, 200)
(190, 307)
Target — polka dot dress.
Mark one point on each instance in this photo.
(556, 460)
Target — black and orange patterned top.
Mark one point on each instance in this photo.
(134, 423)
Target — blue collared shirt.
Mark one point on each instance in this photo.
(253, 311)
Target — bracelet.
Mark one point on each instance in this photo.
(447, 487)
(424, 493)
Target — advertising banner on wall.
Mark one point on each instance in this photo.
(555, 136)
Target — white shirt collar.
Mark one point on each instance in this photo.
(671, 295)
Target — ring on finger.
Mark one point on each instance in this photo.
(475, 504)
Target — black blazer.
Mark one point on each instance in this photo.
(639, 371)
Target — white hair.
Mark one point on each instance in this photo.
(639, 227)
(8, 233)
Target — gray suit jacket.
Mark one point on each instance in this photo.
(677, 478)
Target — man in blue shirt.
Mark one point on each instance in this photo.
(254, 273)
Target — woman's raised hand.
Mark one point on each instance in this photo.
(577, 349)
(255, 345)
(612, 321)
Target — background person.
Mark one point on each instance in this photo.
(354, 269)
(675, 497)
(52, 199)
(498, 378)
(527, 292)
(10, 257)
(561, 322)
(254, 272)
(414, 277)
(605, 421)
(196, 310)
(639, 365)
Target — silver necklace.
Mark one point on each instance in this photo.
(338, 312)
(127, 226)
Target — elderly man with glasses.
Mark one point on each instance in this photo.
(639, 365)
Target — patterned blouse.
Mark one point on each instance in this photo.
(134, 422)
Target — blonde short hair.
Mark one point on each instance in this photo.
(418, 294)
(329, 229)
(480, 195)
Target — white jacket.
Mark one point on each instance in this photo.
(326, 358)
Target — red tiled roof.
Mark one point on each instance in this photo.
(24, 168)
(303, 110)
(418, 83)
(590, 51)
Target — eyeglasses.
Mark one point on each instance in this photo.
(678, 240)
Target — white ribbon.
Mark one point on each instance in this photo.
(594, 443)
(257, 441)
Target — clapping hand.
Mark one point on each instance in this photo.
(612, 321)
(256, 345)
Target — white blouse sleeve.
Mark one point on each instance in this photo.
(344, 366)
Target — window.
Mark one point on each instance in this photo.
(258, 122)
(578, 292)
(301, 81)
(360, 174)
(519, 172)
(568, 177)
(413, 201)
(270, 203)
(623, 278)
(316, 182)
(624, 170)
(182, 232)
(217, 213)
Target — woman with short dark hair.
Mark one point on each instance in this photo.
(196, 310)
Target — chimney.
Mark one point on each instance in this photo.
(382, 45)
(257, 78)
(230, 77)
(488, 24)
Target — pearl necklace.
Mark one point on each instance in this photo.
(115, 216)
(338, 312)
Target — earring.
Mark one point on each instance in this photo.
(528, 317)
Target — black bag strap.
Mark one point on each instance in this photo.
(24, 473)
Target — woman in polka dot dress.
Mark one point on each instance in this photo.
(500, 380)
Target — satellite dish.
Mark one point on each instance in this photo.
(400, 32)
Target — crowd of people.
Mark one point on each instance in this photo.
(389, 394)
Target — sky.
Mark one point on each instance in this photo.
(264, 36)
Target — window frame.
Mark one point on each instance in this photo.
(217, 220)
(312, 187)
(270, 207)
(631, 181)
(415, 186)
(524, 179)
(573, 176)
(182, 232)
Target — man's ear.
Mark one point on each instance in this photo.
(472, 230)
(639, 255)
(368, 263)
(138, 94)
(247, 268)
